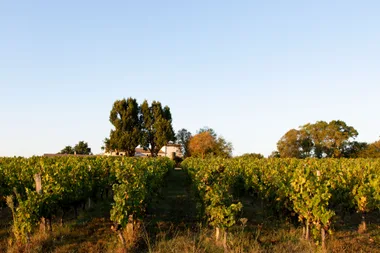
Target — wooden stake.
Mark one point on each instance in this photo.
(217, 234)
(323, 238)
(225, 240)
(38, 181)
(130, 225)
(307, 230)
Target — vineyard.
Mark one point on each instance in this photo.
(314, 195)
(312, 190)
(40, 189)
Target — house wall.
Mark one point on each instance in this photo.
(166, 151)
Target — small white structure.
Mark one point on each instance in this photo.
(172, 150)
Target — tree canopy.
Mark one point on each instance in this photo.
(252, 155)
(147, 126)
(370, 151)
(125, 118)
(157, 128)
(80, 149)
(321, 139)
(206, 142)
(67, 150)
(183, 137)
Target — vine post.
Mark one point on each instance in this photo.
(38, 181)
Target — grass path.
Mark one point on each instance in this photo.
(175, 203)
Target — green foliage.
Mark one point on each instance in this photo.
(214, 181)
(67, 150)
(252, 155)
(137, 180)
(125, 117)
(69, 181)
(183, 137)
(320, 140)
(157, 128)
(370, 151)
(80, 149)
(309, 188)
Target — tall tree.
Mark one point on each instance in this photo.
(157, 128)
(125, 118)
(183, 137)
(82, 148)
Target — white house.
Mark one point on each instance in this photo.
(170, 150)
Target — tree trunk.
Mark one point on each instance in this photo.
(50, 225)
(61, 219)
(43, 225)
(130, 226)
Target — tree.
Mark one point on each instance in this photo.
(321, 139)
(207, 142)
(289, 144)
(67, 150)
(201, 144)
(223, 148)
(82, 148)
(125, 117)
(157, 128)
(371, 151)
(355, 149)
(330, 139)
(208, 129)
(183, 137)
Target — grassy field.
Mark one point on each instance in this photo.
(172, 225)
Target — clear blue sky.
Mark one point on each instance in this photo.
(249, 69)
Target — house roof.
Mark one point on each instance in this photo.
(173, 145)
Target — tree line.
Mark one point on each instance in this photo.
(334, 139)
(150, 127)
